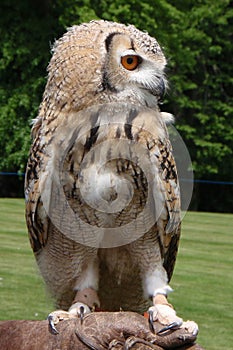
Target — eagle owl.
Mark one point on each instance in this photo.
(102, 194)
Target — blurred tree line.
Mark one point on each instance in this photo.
(196, 36)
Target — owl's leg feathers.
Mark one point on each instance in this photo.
(85, 301)
(166, 315)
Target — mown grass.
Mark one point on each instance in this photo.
(202, 280)
(22, 293)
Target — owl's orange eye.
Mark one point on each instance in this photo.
(130, 62)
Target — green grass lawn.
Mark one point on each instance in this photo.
(202, 282)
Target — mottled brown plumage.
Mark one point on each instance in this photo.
(102, 194)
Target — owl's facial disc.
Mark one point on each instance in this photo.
(144, 73)
(131, 68)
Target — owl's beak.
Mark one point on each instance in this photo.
(160, 90)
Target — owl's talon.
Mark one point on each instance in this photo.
(55, 317)
(150, 321)
(171, 326)
(81, 314)
(75, 311)
(52, 327)
(79, 310)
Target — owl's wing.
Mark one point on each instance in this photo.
(168, 179)
(36, 218)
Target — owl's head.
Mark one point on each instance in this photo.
(100, 62)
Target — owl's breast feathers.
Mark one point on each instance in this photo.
(115, 167)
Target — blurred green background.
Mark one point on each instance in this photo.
(197, 40)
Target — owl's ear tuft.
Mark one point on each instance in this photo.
(108, 40)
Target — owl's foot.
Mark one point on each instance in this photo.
(85, 301)
(163, 312)
(77, 310)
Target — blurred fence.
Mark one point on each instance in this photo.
(213, 196)
(11, 185)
